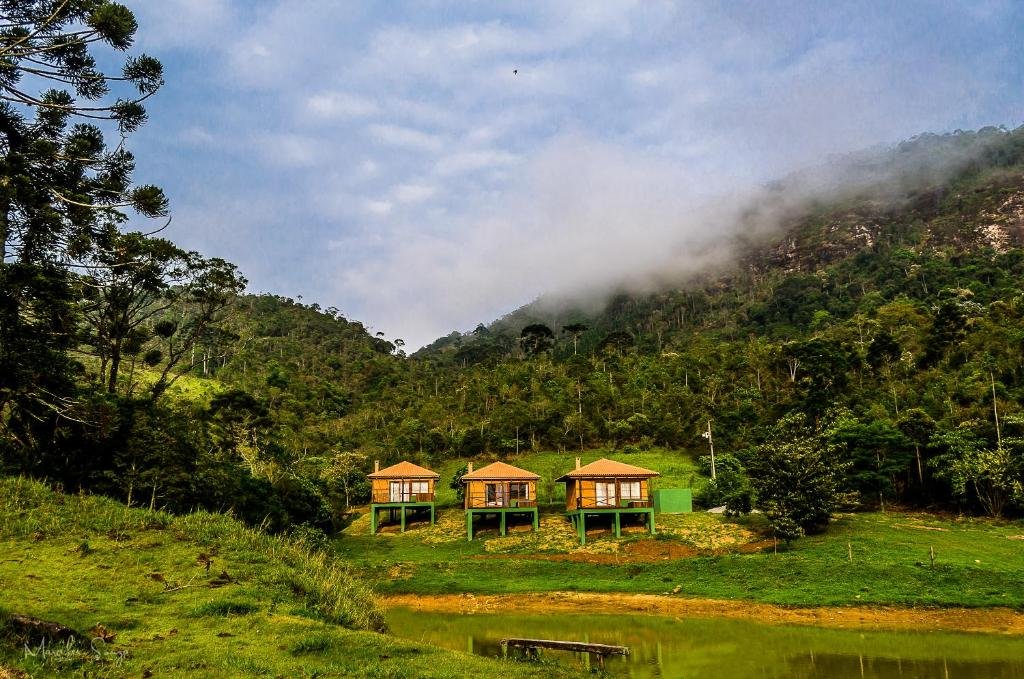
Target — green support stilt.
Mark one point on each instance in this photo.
(403, 518)
(503, 524)
(373, 520)
(618, 525)
(469, 526)
(536, 519)
(650, 518)
(431, 515)
(581, 527)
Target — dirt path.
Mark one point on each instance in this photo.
(988, 620)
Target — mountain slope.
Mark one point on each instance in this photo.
(890, 315)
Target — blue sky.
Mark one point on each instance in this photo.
(383, 158)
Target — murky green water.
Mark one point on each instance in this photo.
(731, 649)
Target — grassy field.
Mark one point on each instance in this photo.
(678, 470)
(870, 558)
(265, 607)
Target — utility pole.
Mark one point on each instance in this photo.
(711, 444)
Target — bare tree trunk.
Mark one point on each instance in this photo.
(115, 366)
(995, 410)
(4, 230)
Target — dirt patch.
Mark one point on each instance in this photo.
(575, 557)
(658, 550)
(987, 620)
(916, 526)
(634, 551)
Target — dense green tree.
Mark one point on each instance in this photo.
(798, 476)
(133, 282)
(991, 475)
(536, 338)
(878, 453)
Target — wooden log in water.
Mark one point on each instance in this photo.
(556, 645)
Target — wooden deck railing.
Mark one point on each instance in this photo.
(480, 501)
(612, 503)
(385, 497)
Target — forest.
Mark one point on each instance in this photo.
(875, 336)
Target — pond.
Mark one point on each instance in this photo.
(729, 649)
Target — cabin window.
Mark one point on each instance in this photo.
(630, 490)
(407, 491)
(494, 494)
(605, 492)
(519, 491)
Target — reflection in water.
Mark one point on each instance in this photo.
(730, 649)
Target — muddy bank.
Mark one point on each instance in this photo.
(986, 620)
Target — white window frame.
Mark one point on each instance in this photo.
(630, 490)
(604, 494)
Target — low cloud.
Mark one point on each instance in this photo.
(426, 167)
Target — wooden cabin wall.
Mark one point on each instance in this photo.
(382, 487)
(587, 490)
(571, 487)
(476, 491)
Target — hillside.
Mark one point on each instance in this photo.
(888, 318)
(133, 591)
(888, 313)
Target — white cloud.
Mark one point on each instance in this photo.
(378, 208)
(340, 105)
(413, 193)
(406, 138)
(196, 135)
(367, 169)
(472, 161)
(179, 24)
(290, 150)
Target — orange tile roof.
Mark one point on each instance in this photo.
(605, 468)
(500, 471)
(404, 470)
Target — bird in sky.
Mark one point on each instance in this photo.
(515, 71)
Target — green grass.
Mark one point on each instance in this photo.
(978, 563)
(677, 469)
(267, 607)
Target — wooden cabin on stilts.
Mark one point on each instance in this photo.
(500, 489)
(607, 487)
(401, 488)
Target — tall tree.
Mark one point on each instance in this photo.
(536, 339)
(61, 186)
(575, 329)
(797, 476)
